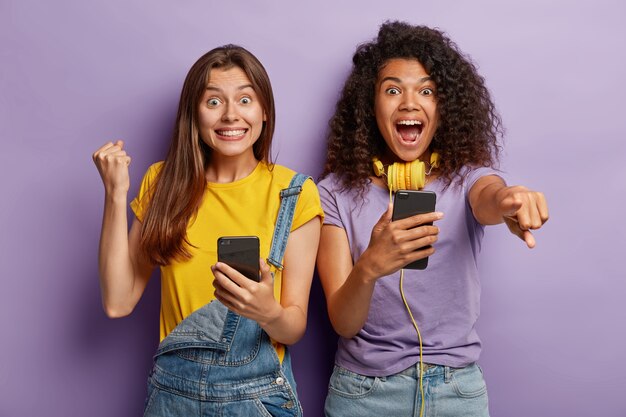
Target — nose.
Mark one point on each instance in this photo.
(410, 101)
(230, 113)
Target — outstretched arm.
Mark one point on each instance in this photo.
(521, 209)
(124, 274)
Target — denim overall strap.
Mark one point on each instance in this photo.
(288, 199)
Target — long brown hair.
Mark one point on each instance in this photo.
(181, 183)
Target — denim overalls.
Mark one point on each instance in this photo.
(218, 363)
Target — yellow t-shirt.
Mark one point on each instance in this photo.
(245, 207)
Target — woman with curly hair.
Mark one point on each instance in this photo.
(408, 341)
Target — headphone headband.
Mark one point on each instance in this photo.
(405, 175)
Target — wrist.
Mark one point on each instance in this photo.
(116, 196)
(272, 316)
(364, 270)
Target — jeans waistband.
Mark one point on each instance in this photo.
(430, 369)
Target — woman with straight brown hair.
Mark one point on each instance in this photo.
(223, 336)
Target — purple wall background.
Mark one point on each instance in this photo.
(75, 74)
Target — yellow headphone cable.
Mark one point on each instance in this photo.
(417, 330)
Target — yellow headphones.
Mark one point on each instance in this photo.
(405, 175)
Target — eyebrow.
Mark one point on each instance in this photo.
(399, 81)
(242, 87)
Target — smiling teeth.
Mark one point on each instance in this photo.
(410, 122)
(231, 132)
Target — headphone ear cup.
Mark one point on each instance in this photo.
(434, 160)
(379, 169)
(408, 175)
(414, 176)
(391, 175)
(400, 177)
(405, 175)
(418, 175)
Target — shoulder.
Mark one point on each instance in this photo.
(153, 170)
(336, 197)
(330, 183)
(282, 176)
(333, 186)
(146, 190)
(149, 177)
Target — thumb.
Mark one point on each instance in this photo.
(384, 220)
(509, 206)
(266, 274)
(120, 143)
(386, 216)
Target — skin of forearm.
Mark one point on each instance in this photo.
(287, 326)
(115, 266)
(485, 208)
(348, 307)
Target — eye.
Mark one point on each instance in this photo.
(427, 91)
(245, 100)
(212, 102)
(392, 91)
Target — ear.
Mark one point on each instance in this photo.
(264, 117)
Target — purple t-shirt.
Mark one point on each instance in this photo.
(444, 298)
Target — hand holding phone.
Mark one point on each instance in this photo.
(407, 203)
(240, 253)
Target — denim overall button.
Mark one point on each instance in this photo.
(224, 340)
(280, 380)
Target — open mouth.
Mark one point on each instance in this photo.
(231, 133)
(409, 130)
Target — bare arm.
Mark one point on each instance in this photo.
(123, 272)
(349, 288)
(284, 322)
(521, 209)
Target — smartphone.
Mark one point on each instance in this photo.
(240, 253)
(407, 203)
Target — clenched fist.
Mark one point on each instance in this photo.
(112, 163)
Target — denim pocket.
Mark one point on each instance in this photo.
(279, 404)
(350, 384)
(468, 382)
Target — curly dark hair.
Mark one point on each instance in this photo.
(469, 125)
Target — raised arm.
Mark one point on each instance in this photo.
(124, 273)
(348, 287)
(521, 209)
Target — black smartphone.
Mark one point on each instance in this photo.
(407, 203)
(240, 253)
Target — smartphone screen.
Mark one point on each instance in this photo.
(240, 253)
(407, 203)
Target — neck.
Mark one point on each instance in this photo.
(222, 169)
(389, 158)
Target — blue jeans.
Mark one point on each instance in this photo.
(218, 363)
(448, 392)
